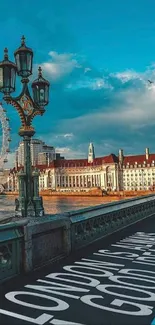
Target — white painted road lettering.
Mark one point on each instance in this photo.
(42, 319)
(78, 269)
(132, 246)
(136, 272)
(63, 322)
(143, 310)
(61, 305)
(131, 291)
(56, 288)
(124, 255)
(57, 276)
(105, 288)
(118, 279)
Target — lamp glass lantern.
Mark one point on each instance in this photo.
(40, 88)
(8, 71)
(23, 58)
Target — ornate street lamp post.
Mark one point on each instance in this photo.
(29, 203)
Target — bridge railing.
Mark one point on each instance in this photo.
(11, 244)
(45, 240)
(31, 243)
(90, 224)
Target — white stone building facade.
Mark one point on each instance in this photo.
(138, 172)
(110, 173)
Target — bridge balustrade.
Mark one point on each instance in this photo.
(31, 243)
(90, 224)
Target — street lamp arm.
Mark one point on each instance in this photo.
(25, 105)
(35, 113)
(14, 103)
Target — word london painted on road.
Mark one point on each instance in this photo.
(129, 289)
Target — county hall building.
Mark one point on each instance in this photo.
(110, 173)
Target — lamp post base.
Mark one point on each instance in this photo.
(30, 209)
(34, 208)
(39, 209)
(20, 207)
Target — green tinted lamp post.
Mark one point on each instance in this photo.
(29, 203)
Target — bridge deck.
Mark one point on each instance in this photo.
(108, 283)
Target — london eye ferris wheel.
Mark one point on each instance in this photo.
(4, 137)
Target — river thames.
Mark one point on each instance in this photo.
(53, 205)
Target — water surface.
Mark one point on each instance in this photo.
(54, 204)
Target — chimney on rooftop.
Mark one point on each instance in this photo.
(147, 153)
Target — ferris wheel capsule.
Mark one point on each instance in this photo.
(9, 139)
(5, 160)
(7, 119)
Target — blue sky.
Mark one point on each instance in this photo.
(98, 56)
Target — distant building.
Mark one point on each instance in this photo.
(138, 171)
(38, 148)
(110, 173)
(4, 179)
(58, 156)
(45, 158)
(76, 174)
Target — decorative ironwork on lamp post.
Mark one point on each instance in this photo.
(29, 204)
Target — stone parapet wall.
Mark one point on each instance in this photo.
(44, 240)
(91, 224)
(11, 249)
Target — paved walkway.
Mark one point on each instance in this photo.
(111, 282)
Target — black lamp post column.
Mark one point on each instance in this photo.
(30, 204)
(28, 177)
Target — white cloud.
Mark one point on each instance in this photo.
(137, 110)
(91, 83)
(60, 65)
(66, 136)
(127, 75)
(99, 83)
(71, 153)
(62, 150)
(87, 69)
(131, 105)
